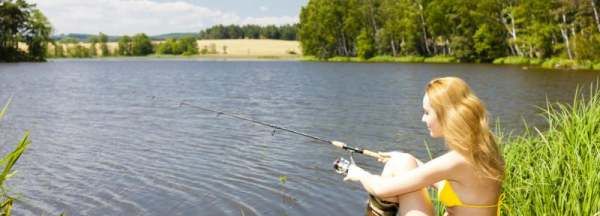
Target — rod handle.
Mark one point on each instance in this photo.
(338, 144)
(375, 155)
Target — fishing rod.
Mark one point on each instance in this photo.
(338, 144)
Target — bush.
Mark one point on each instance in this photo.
(559, 63)
(310, 58)
(339, 59)
(409, 59)
(382, 58)
(513, 60)
(441, 59)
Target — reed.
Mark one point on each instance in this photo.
(556, 172)
(8, 161)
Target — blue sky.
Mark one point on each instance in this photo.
(118, 17)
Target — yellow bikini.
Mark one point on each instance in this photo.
(449, 198)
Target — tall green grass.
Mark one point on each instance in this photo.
(8, 161)
(556, 172)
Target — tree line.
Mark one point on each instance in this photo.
(471, 31)
(137, 45)
(21, 22)
(283, 32)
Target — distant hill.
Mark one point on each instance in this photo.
(173, 35)
(114, 38)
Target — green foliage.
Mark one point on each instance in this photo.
(103, 39)
(441, 59)
(365, 45)
(8, 161)
(469, 31)
(310, 58)
(141, 45)
(283, 32)
(559, 63)
(22, 22)
(556, 171)
(185, 45)
(78, 51)
(124, 46)
(514, 60)
(587, 48)
(382, 58)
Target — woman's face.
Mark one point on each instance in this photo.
(430, 119)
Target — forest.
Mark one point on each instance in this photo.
(469, 31)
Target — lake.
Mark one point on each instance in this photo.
(109, 137)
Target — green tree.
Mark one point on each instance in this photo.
(124, 46)
(188, 45)
(141, 45)
(365, 45)
(38, 35)
(93, 40)
(22, 22)
(103, 39)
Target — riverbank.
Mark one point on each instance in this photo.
(556, 170)
(386, 59)
(552, 63)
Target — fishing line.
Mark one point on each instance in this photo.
(276, 127)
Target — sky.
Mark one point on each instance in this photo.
(153, 17)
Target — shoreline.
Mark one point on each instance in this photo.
(192, 57)
(523, 63)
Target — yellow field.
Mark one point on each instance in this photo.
(237, 48)
(253, 47)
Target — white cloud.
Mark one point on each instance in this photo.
(263, 8)
(116, 17)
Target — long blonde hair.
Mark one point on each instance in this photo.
(464, 121)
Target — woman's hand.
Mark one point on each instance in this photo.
(355, 173)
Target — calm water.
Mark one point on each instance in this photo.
(103, 145)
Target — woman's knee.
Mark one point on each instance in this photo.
(399, 163)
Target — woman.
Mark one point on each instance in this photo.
(468, 176)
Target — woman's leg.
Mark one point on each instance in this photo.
(414, 203)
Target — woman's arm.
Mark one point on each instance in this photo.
(420, 177)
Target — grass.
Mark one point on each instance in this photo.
(513, 60)
(556, 172)
(441, 59)
(8, 161)
(551, 63)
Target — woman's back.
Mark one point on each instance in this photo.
(474, 191)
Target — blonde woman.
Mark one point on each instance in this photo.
(468, 177)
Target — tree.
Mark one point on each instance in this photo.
(141, 45)
(37, 35)
(124, 46)
(22, 22)
(93, 40)
(365, 47)
(103, 39)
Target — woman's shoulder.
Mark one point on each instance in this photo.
(453, 157)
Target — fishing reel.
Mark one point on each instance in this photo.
(341, 165)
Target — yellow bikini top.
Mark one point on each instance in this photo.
(449, 198)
